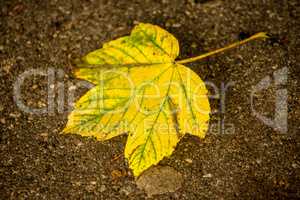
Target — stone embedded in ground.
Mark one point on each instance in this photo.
(207, 175)
(160, 180)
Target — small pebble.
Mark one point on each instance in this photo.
(177, 25)
(160, 180)
(72, 87)
(44, 134)
(207, 176)
(194, 45)
(102, 188)
(127, 190)
(2, 120)
(294, 165)
(13, 115)
(93, 182)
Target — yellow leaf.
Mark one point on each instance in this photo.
(142, 91)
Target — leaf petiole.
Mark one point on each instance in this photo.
(253, 37)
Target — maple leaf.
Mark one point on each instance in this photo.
(141, 90)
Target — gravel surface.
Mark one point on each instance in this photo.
(249, 160)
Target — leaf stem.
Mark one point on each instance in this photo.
(233, 45)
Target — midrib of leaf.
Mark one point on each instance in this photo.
(174, 116)
(187, 98)
(160, 110)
